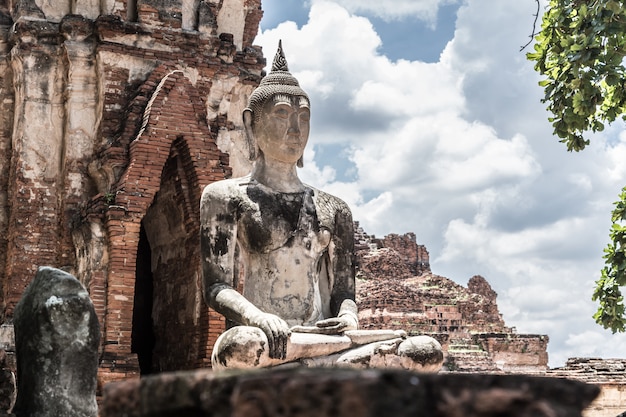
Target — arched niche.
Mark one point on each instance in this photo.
(156, 319)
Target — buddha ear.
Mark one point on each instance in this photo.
(248, 121)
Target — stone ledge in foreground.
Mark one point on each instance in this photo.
(322, 392)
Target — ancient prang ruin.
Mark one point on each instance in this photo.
(114, 115)
(397, 289)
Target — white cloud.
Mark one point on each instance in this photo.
(326, 41)
(314, 174)
(406, 88)
(593, 344)
(460, 152)
(316, 82)
(616, 167)
(491, 162)
(376, 209)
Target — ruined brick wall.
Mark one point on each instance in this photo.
(609, 374)
(427, 303)
(612, 399)
(416, 256)
(393, 256)
(6, 127)
(396, 289)
(113, 116)
(515, 353)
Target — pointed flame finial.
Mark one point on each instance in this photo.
(280, 62)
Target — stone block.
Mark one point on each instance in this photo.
(56, 336)
(345, 392)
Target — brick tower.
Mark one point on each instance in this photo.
(114, 114)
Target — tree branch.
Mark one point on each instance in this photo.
(534, 33)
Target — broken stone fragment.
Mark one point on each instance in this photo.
(56, 337)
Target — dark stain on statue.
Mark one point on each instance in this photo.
(221, 242)
(279, 206)
(259, 352)
(308, 205)
(231, 350)
(227, 352)
(44, 87)
(258, 236)
(234, 205)
(227, 218)
(282, 209)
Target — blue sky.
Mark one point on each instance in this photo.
(402, 37)
(427, 118)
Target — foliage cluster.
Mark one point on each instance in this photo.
(610, 314)
(580, 49)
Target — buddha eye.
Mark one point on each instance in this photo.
(305, 116)
(282, 113)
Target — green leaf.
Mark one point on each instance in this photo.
(612, 79)
(611, 310)
(580, 50)
(614, 6)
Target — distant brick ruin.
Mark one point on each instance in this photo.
(396, 289)
(609, 374)
(114, 114)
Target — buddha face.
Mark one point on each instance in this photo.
(282, 130)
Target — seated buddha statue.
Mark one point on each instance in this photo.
(278, 254)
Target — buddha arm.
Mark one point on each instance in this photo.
(342, 263)
(218, 239)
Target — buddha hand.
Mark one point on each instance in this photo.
(337, 325)
(277, 332)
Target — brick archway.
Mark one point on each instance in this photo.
(173, 149)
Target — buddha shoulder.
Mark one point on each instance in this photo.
(226, 188)
(331, 209)
(224, 195)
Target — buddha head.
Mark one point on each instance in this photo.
(277, 117)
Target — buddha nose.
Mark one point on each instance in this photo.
(294, 124)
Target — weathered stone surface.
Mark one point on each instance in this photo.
(343, 392)
(417, 353)
(57, 336)
(110, 62)
(7, 384)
